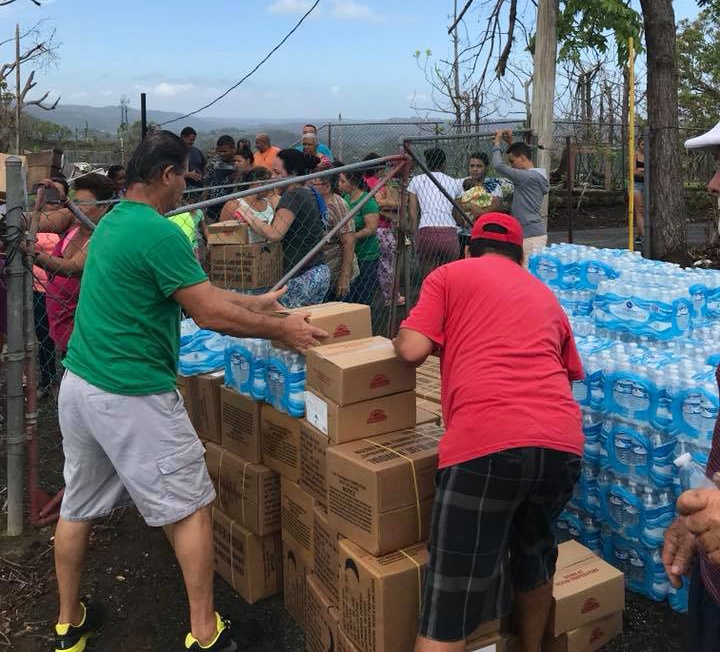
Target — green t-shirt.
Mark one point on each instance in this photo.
(126, 337)
(365, 248)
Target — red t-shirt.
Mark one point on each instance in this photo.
(507, 356)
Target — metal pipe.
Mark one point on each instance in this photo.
(287, 181)
(631, 144)
(84, 219)
(421, 164)
(465, 136)
(31, 384)
(143, 115)
(648, 248)
(15, 272)
(399, 252)
(570, 153)
(326, 238)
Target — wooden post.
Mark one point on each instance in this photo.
(543, 98)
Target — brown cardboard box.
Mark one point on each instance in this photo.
(341, 321)
(430, 406)
(352, 372)
(492, 643)
(424, 416)
(380, 489)
(321, 619)
(344, 643)
(585, 589)
(313, 463)
(248, 493)
(228, 233)
(428, 388)
(252, 565)
(298, 520)
(431, 367)
(246, 267)
(380, 596)
(181, 384)
(281, 443)
(203, 393)
(295, 574)
(366, 419)
(588, 638)
(327, 554)
(240, 425)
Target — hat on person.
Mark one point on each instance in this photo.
(497, 226)
(708, 139)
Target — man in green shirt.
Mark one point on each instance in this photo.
(126, 434)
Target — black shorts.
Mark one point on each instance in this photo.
(703, 616)
(492, 533)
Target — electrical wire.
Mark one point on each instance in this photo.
(232, 88)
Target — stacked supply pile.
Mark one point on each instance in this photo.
(236, 264)
(643, 329)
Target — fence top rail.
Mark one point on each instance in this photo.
(288, 181)
(464, 136)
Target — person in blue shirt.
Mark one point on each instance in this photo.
(322, 149)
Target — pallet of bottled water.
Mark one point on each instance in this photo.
(645, 332)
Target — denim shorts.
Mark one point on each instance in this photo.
(129, 448)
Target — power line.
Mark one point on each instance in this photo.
(232, 88)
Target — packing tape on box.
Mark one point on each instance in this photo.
(242, 487)
(419, 574)
(414, 477)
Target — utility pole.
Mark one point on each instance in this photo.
(18, 99)
(143, 116)
(456, 69)
(543, 100)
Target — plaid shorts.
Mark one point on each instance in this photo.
(492, 533)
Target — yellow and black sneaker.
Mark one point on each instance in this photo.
(223, 641)
(74, 638)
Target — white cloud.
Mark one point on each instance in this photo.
(335, 90)
(164, 89)
(289, 7)
(351, 10)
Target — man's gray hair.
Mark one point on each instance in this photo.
(312, 137)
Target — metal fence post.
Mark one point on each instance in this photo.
(15, 273)
(648, 248)
(570, 153)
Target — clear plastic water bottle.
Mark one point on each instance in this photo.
(285, 378)
(692, 475)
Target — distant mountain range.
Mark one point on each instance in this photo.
(107, 119)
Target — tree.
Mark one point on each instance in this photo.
(38, 48)
(698, 57)
(667, 198)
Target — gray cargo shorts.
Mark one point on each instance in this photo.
(121, 448)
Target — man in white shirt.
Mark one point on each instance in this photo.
(431, 214)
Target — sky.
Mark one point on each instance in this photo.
(350, 57)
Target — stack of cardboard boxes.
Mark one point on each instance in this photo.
(335, 509)
(238, 264)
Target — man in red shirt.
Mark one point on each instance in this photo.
(511, 452)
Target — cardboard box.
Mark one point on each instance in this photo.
(228, 233)
(428, 388)
(423, 416)
(491, 643)
(240, 425)
(313, 463)
(246, 267)
(248, 493)
(281, 442)
(429, 406)
(342, 321)
(588, 638)
(252, 565)
(431, 367)
(181, 384)
(366, 419)
(372, 485)
(357, 371)
(344, 643)
(327, 555)
(298, 520)
(585, 589)
(203, 393)
(295, 574)
(321, 619)
(380, 597)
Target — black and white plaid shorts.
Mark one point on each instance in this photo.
(492, 533)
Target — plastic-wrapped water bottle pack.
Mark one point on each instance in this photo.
(201, 351)
(646, 332)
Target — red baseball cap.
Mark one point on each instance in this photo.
(497, 226)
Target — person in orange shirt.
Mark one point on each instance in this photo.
(266, 152)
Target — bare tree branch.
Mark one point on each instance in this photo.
(5, 3)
